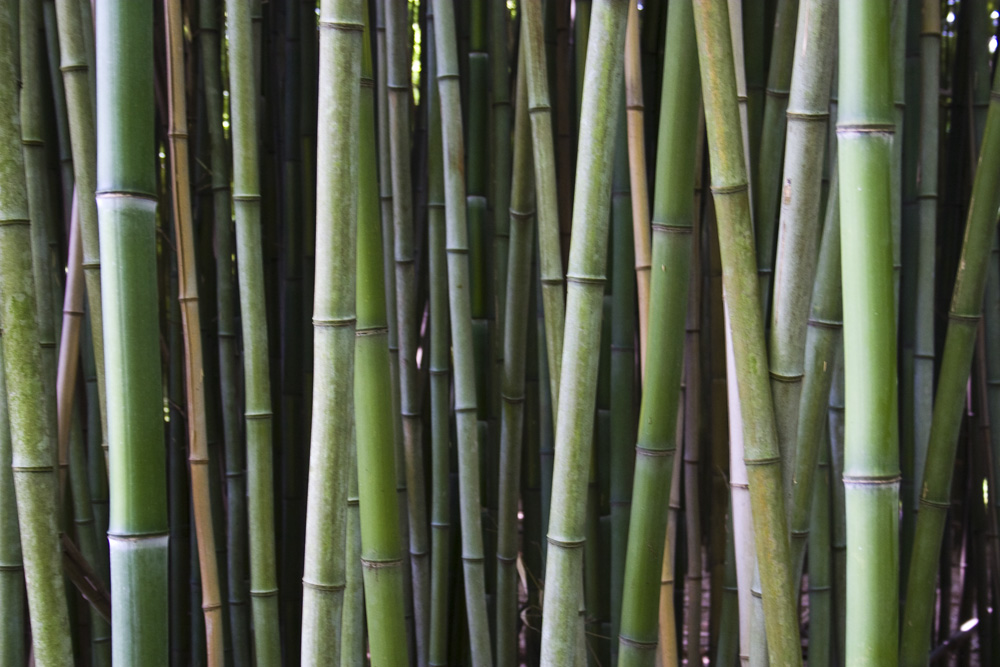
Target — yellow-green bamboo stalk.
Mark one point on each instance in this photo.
(14, 624)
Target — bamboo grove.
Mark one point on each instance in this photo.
(499, 332)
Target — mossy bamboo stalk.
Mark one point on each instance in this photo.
(799, 222)
(459, 301)
(225, 296)
(522, 234)
(198, 458)
(963, 320)
(138, 529)
(729, 186)
(588, 253)
(673, 217)
(253, 309)
(767, 184)
(865, 130)
(381, 543)
(398, 77)
(12, 632)
(546, 194)
(927, 186)
(334, 323)
(83, 139)
(634, 110)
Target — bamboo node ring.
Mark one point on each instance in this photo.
(349, 26)
(635, 643)
(872, 480)
(778, 377)
(258, 415)
(565, 544)
(381, 564)
(654, 453)
(808, 116)
(825, 324)
(333, 322)
(586, 280)
(733, 189)
(374, 331)
(762, 462)
(935, 503)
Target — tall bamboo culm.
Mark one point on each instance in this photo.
(12, 644)
(460, 306)
(602, 93)
(741, 287)
(963, 321)
(126, 206)
(253, 311)
(673, 217)
(865, 129)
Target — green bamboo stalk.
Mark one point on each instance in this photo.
(865, 130)
(838, 539)
(98, 469)
(398, 78)
(439, 361)
(12, 631)
(501, 156)
(126, 186)
(754, 35)
(673, 216)
(533, 530)
(198, 457)
(729, 187)
(225, 295)
(727, 648)
(80, 113)
(334, 321)
(963, 320)
(515, 335)
(381, 543)
(799, 224)
(669, 635)
(897, 42)
(59, 105)
(353, 649)
(767, 184)
(927, 179)
(820, 590)
(603, 89)
(546, 193)
(459, 301)
(253, 308)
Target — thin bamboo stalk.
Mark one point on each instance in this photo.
(352, 646)
(668, 651)
(673, 217)
(634, 110)
(198, 458)
(69, 340)
(459, 300)
(12, 630)
(515, 339)
(253, 308)
(820, 590)
(59, 105)
(729, 185)
(865, 130)
(727, 648)
(963, 320)
(546, 193)
(897, 42)
(836, 431)
(603, 89)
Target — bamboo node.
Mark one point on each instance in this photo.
(32, 142)
(11, 568)
(552, 281)
(348, 26)
(872, 480)
(507, 559)
(789, 379)
(762, 462)
(512, 399)
(14, 222)
(824, 323)
(776, 93)
(585, 280)
(264, 593)
(521, 215)
(258, 415)
(326, 588)
(73, 67)
(844, 129)
(653, 453)
(669, 229)
(246, 197)
(374, 331)
(961, 318)
(539, 107)
(473, 559)
(635, 643)
(333, 322)
(926, 502)
(574, 544)
(808, 116)
(818, 589)
(733, 189)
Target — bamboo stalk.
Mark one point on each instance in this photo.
(729, 185)
(459, 300)
(12, 630)
(836, 431)
(59, 106)
(353, 649)
(198, 458)
(673, 217)
(668, 651)
(820, 589)
(574, 428)
(865, 130)
(69, 341)
(253, 308)
(963, 320)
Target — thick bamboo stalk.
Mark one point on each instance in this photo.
(253, 308)
(12, 630)
(673, 217)
(865, 130)
(334, 321)
(634, 110)
(381, 543)
(459, 300)
(578, 382)
(515, 339)
(546, 193)
(729, 186)
(126, 187)
(963, 320)
(59, 105)
(187, 284)
(799, 222)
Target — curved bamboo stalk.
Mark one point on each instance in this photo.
(513, 390)
(69, 339)
(729, 185)
(381, 543)
(187, 284)
(250, 274)
(963, 321)
(546, 193)
(634, 110)
(865, 130)
(799, 223)
(673, 216)
(337, 206)
(459, 300)
(603, 89)
(11, 565)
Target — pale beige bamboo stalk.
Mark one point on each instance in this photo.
(69, 342)
(191, 322)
